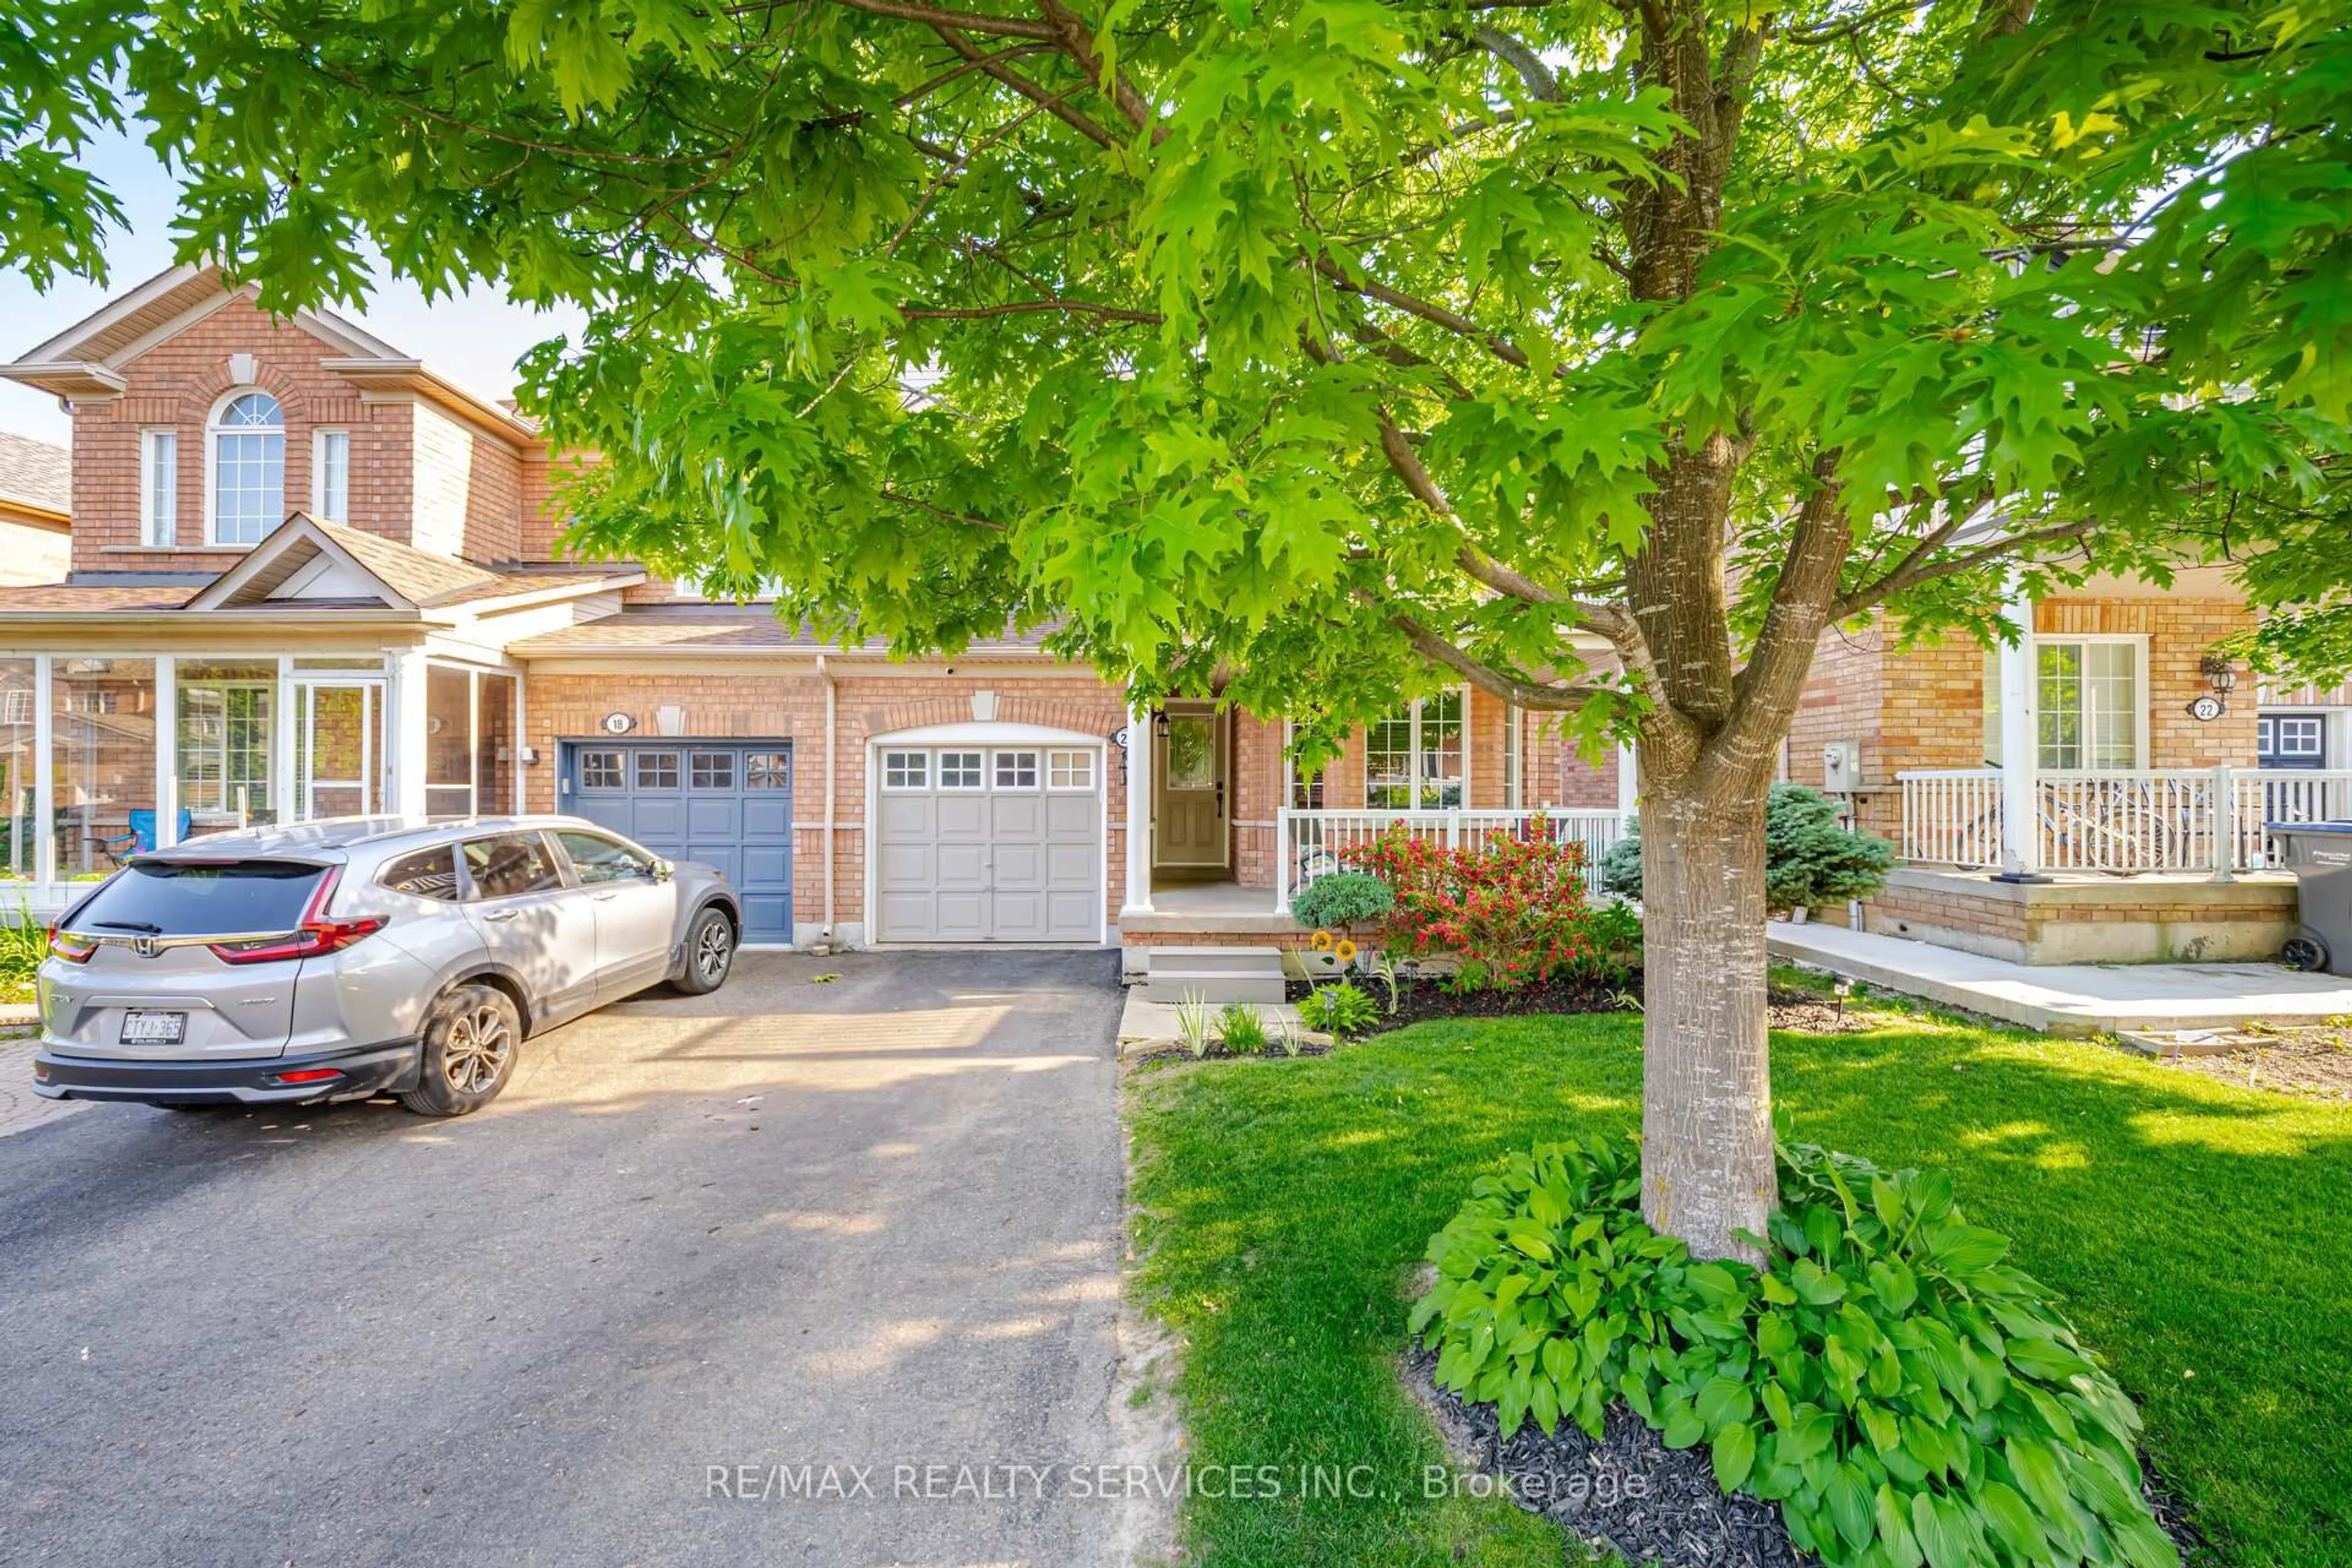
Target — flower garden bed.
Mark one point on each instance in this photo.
(1426, 998)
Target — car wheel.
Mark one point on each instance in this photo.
(470, 1039)
(709, 954)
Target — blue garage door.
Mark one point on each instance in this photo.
(727, 804)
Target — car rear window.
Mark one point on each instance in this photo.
(178, 898)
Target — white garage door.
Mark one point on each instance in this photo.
(989, 844)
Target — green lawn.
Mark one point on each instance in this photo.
(2199, 1236)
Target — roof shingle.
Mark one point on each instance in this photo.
(36, 472)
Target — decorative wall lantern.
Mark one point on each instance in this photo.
(2218, 675)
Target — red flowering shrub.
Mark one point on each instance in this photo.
(1512, 909)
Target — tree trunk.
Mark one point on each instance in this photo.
(1707, 1170)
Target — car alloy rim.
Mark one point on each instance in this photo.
(475, 1055)
(710, 952)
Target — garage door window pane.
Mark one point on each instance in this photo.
(1070, 769)
(657, 770)
(959, 770)
(767, 770)
(906, 769)
(600, 770)
(1017, 770)
(714, 770)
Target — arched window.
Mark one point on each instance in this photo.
(248, 468)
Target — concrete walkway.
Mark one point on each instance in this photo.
(2071, 998)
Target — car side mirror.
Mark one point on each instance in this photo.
(661, 870)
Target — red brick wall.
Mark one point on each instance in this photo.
(175, 385)
(1258, 790)
(2180, 634)
(412, 468)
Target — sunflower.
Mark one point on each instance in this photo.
(1345, 951)
(1321, 942)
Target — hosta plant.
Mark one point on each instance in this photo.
(1337, 1011)
(1900, 1391)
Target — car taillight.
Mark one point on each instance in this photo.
(71, 946)
(316, 934)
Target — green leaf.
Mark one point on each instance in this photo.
(2011, 1518)
(1734, 1451)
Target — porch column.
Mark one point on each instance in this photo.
(1139, 811)
(2020, 747)
(167, 746)
(404, 731)
(1629, 779)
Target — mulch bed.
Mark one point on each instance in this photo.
(1630, 1494)
(1218, 1052)
(2309, 1061)
(1627, 1493)
(1424, 999)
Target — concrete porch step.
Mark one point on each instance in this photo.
(1215, 974)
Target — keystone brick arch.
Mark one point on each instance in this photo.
(1094, 711)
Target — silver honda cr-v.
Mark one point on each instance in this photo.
(364, 955)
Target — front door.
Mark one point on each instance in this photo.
(336, 726)
(1190, 821)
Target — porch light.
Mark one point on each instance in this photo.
(2215, 668)
(1160, 723)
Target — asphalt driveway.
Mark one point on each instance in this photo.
(869, 1223)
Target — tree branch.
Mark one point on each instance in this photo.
(1542, 84)
(1051, 101)
(1511, 689)
(963, 21)
(1027, 308)
(1887, 586)
(1436, 315)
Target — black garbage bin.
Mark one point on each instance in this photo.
(2320, 856)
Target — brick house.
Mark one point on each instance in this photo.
(311, 577)
(2099, 792)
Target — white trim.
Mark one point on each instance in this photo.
(159, 524)
(44, 772)
(990, 735)
(320, 439)
(964, 737)
(1412, 764)
(106, 315)
(213, 431)
(167, 751)
(924, 760)
(2140, 693)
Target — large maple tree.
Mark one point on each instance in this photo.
(1316, 351)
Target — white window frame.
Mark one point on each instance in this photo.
(159, 488)
(913, 767)
(970, 770)
(214, 432)
(2137, 641)
(324, 504)
(998, 762)
(1070, 769)
(1416, 748)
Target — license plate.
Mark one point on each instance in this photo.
(142, 1028)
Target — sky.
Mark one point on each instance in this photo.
(473, 340)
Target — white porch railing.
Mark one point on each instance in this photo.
(2123, 821)
(1310, 843)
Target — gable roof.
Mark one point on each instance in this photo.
(305, 563)
(86, 360)
(36, 474)
(339, 564)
